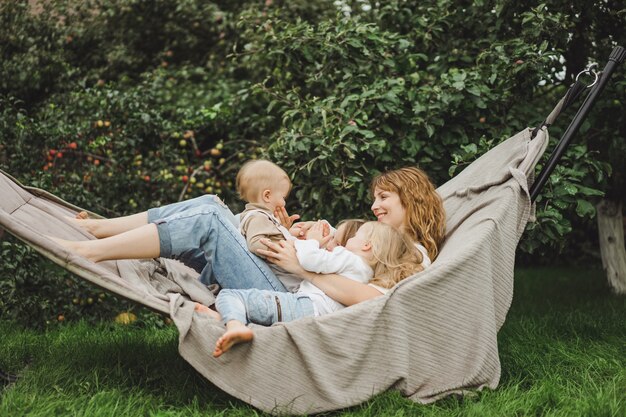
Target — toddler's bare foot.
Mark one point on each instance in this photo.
(82, 215)
(201, 308)
(236, 332)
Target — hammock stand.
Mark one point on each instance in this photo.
(432, 335)
(601, 79)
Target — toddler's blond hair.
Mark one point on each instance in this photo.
(394, 254)
(256, 176)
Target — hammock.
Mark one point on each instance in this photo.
(432, 335)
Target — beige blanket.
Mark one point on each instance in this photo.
(434, 334)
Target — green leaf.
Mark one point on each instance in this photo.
(474, 90)
(368, 134)
(348, 99)
(585, 208)
(589, 191)
(571, 189)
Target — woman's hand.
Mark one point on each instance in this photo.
(282, 254)
(339, 288)
(284, 217)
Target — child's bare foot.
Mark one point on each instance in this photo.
(201, 308)
(82, 215)
(236, 332)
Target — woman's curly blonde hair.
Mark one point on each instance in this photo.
(426, 218)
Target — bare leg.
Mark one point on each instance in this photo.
(236, 332)
(110, 227)
(201, 308)
(139, 243)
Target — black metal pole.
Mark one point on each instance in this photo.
(616, 58)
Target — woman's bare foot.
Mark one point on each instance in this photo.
(83, 221)
(236, 332)
(201, 308)
(102, 228)
(77, 246)
(139, 243)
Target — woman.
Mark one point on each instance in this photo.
(201, 233)
(403, 198)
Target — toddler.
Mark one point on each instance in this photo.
(264, 186)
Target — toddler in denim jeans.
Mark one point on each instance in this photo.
(264, 186)
(375, 249)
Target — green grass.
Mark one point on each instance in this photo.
(563, 353)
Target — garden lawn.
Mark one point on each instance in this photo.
(562, 348)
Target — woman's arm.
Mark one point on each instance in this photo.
(337, 287)
(344, 290)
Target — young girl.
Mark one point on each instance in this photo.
(345, 230)
(375, 250)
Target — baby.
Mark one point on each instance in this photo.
(265, 186)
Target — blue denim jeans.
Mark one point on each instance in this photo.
(262, 307)
(202, 233)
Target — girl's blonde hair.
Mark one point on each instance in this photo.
(425, 219)
(394, 255)
(258, 175)
(351, 227)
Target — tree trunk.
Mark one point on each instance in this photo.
(611, 231)
(3, 163)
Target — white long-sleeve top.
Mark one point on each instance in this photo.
(340, 261)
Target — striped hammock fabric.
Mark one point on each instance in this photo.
(434, 334)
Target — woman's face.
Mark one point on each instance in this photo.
(388, 209)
